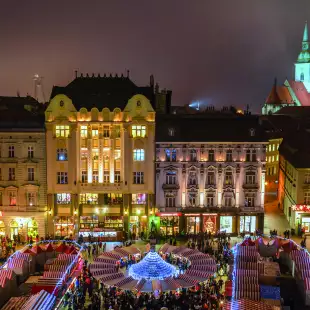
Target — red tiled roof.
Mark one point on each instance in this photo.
(279, 95)
(301, 92)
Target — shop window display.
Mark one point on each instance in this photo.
(2, 228)
(169, 226)
(64, 226)
(138, 198)
(13, 229)
(115, 222)
(89, 198)
(32, 228)
(193, 224)
(247, 224)
(226, 224)
(89, 222)
(209, 224)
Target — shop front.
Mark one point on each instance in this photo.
(113, 222)
(301, 214)
(226, 224)
(192, 222)
(2, 229)
(63, 226)
(248, 224)
(169, 223)
(89, 222)
(137, 225)
(32, 228)
(209, 223)
(14, 229)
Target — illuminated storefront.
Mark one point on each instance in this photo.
(32, 227)
(89, 222)
(2, 229)
(301, 214)
(247, 224)
(209, 223)
(169, 225)
(114, 222)
(192, 223)
(226, 224)
(137, 224)
(64, 226)
(13, 229)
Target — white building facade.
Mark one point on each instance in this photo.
(209, 185)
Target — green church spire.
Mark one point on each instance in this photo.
(304, 55)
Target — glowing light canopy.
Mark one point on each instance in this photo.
(152, 267)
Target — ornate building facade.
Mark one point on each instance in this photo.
(22, 168)
(100, 152)
(210, 174)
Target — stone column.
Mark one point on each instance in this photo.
(89, 157)
(100, 155)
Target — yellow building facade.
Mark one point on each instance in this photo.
(99, 167)
(272, 164)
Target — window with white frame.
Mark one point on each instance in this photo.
(95, 176)
(192, 178)
(62, 154)
(138, 154)
(84, 176)
(138, 131)
(84, 132)
(11, 174)
(138, 177)
(30, 174)
(62, 131)
(31, 199)
(138, 198)
(249, 200)
(171, 177)
(228, 201)
(12, 198)
(89, 198)
(307, 178)
(106, 131)
(62, 177)
(63, 198)
(307, 198)
(170, 201)
(30, 152)
(106, 177)
(117, 177)
(250, 177)
(11, 151)
(193, 155)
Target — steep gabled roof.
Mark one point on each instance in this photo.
(279, 95)
(300, 92)
(102, 92)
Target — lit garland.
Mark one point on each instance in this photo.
(152, 267)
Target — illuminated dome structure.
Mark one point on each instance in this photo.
(152, 267)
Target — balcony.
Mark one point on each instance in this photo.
(22, 208)
(251, 209)
(170, 186)
(170, 209)
(250, 186)
(100, 187)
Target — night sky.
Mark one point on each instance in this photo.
(218, 52)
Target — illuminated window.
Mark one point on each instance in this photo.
(89, 198)
(211, 178)
(94, 133)
(62, 154)
(273, 147)
(106, 177)
(95, 176)
(11, 174)
(117, 177)
(62, 178)
(117, 154)
(30, 174)
(138, 155)
(84, 132)
(307, 198)
(228, 178)
(118, 164)
(12, 198)
(11, 151)
(63, 198)
(269, 147)
(250, 177)
(30, 151)
(62, 131)
(138, 177)
(84, 176)
(249, 200)
(277, 157)
(31, 199)
(106, 131)
(138, 131)
(272, 159)
(170, 202)
(138, 198)
(193, 155)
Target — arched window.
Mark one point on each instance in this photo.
(302, 76)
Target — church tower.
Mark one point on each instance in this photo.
(302, 66)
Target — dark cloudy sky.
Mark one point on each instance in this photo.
(216, 51)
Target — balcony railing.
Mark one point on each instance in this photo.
(171, 186)
(22, 208)
(250, 185)
(251, 209)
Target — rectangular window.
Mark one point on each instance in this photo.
(89, 198)
(62, 154)
(193, 155)
(210, 200)
(170, 202)
(138, 131)
(95, 176)
(138, 178)
(11, 174)
(138, 198)
(228, 201)
(62, 131)
(30, 152)
(269, 147)
(11, 151)
(248, 155)
(30, 174)
(211, 155)
(192, 199)
(94, 133)
(84, 132)
(249, 201)
(117, 177)
(171, 177)
(253, 155)
(307, 198)
(12, 198)
(31, 199)
(62, 177)
(63, 198)
(106, 131)
(117, 132)
(273, 147)
(250, 177)
(229, 155)
(138, 155)
(228, 178)
(117, 154)
(211, 178)
(84, 176)
(247, 224)
(277, 158)
(106, 177)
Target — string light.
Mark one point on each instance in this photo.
(152, 267)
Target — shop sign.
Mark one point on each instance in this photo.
(302, 208)
(192, 214)
(169, 214)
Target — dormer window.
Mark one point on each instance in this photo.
(252, 132)
(171, 132)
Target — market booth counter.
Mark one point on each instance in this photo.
(101, 234)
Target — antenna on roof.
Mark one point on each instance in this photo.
(128, 74)
(76, 73)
